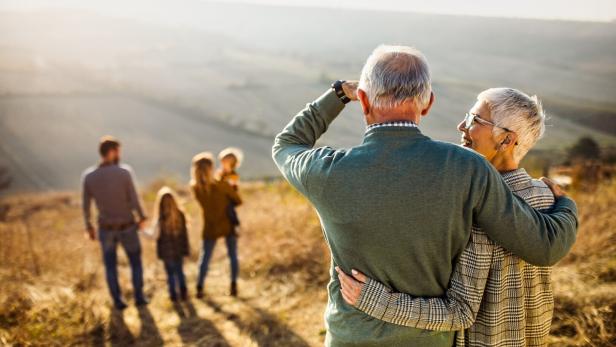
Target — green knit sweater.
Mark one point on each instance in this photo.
(399, 207)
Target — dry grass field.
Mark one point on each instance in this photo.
(52, 290)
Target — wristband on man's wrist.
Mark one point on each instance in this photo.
(337, 87)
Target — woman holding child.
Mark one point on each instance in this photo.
(217, 199)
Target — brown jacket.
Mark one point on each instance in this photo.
(214, 203)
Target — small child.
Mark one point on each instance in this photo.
(230, 160)
(172, 242)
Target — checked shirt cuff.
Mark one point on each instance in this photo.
(374, 299)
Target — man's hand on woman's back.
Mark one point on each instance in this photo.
(557, 190)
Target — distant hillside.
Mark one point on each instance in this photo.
(234, 74)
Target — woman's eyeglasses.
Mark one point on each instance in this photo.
(471, 118)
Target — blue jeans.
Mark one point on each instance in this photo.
(206, 254)
(129, 240)
(175, 272)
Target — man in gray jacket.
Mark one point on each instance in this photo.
(113, 190)
(400, 206)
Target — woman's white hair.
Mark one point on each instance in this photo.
(518, 112)
(393, 74)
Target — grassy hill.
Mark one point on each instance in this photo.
(52, 289)
(206, 75)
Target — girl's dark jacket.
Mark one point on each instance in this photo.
(170, 245)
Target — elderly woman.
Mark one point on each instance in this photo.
(214, 197)
(494, 298)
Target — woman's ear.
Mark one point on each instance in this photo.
(509, 141)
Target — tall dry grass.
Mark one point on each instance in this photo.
(52, 290)
(585, 281)
(45, 270)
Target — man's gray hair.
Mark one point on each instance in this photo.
(393, 74)
(518, 112)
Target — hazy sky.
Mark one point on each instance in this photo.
(594, 10)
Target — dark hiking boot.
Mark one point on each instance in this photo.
(120, 305)
(141, 302)
(233, 291)
(200, 293)
(184, 294)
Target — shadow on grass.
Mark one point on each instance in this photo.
(195, 330)
(263, 327)
(149, 335)
(119, 334)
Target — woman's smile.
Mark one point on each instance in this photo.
(466, 141)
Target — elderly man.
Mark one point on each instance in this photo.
(399, 207)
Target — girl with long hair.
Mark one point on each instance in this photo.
(214, 197)
(172, 242)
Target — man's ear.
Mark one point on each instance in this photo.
(426, 109)
(363, 100)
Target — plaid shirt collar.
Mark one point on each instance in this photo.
(403, 124)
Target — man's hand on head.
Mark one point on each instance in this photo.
(557, 190)
(350, 89)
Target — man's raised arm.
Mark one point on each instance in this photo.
(539, 238)
(293, 150)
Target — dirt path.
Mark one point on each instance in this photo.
(259, 316)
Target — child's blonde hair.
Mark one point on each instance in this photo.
(232, 151)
